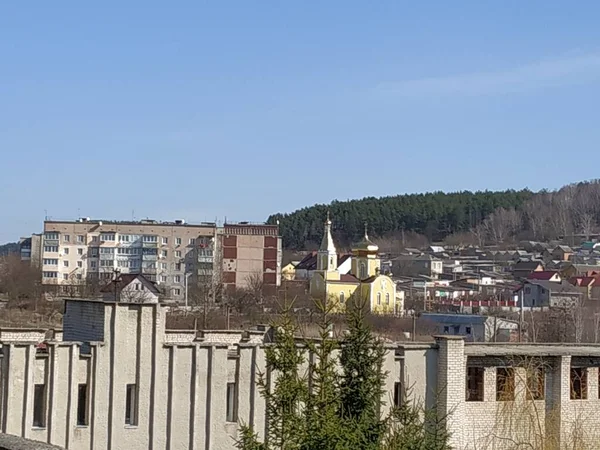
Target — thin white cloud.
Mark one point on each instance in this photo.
(540, 74)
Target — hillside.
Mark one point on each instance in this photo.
(6, 249)
(481, 217)
(435, 215)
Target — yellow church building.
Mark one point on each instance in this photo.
(365, 278)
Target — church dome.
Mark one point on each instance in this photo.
(366, 245)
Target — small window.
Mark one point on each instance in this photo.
(456, 329)
(66, 263)
(80, 239)
(66, 251)
(192, 241)
(82, 405)
(387, 298)
(468, 330)
(66, 238)
(342, 299)
(39, 405)
(164, 253)
(231, 402)
(578, 383)
(379, 298)
(536, 383)
(131, 405)
(475, 384)
(178, 266)
(80, 251)
(176, 291)
(505, 384)
(165, 241)
(178, 241)
(178, 253)
(446, 330)
(80, 264)
(398, 394)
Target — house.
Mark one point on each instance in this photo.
(541, 293)
(474, 328)
(562, 252)
(306, 268)
(436, 249)
(414, 265)
(522, 269)
(365, 282)
(569, 270)
(288, 272)
(545, 275)
(131, 288)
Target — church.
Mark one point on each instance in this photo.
(364, 280)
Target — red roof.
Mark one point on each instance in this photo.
(347, 278)
(582, 281)
(542, 275)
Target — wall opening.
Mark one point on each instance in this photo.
(398, 394)
(536, 383)
(505, 384)
(475, 384)
(39, 406)
(131, 405)
(578, 383)
(82, 405)
(231, 413)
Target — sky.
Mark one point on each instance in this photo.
(238, 110)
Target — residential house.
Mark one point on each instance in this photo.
(288, 272)
(522, 269)
(307, 267)
(562, 252)
(545, 275)
(475, 328)
(414, 265)
(131, 288)
(541, 293)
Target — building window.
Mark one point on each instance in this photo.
(342, 299)
(505, 384)
(51, 248)
(80, 251)
(66, 238)
(80, 264)
(147, 238)
(93, 264)
(176, 291)
(446, 330)
(178, 254)
(387, 298)
(231, 413)
(80, 239)
(66, 263)
(163, 278)
(82, 405)
(94, 238)
(398, 394)
(164, 253)
(65, 276)
(51, 236)
(578, 383)
(106, 263)
(107, 251)
(107, 237)
(536, 383)
(475, 384)
(78, 276)
(379, 298)
(131, 405)
(50, 262)
(50, 274)
(163, 266)
(124, 238)
(177, 266)
(177, 279)
(468, 330)
(66, 251)
(192, 241)
(39, 405)
(165, 241)
(363, 271)
(456, 329)
(178, 241)
(94, 251)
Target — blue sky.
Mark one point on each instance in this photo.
(241, 109)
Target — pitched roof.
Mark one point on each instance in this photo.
(527, 265)
(562, 287)
(310, 261)
(582, 281)
(542, 275)
(564, 248)
(125, 279)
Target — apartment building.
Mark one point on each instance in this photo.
(85, 250)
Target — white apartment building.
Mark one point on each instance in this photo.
(116, 378)
(74, 252)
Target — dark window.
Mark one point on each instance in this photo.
(231, 402)
(446, 329)
(456, 329)
(505, 384)
(475, 384)
(39, 405)
(536, 383)
(398, 394)
(468, 330)
(82, 405)
(578, 383)
(131, 405)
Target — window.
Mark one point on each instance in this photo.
(147, 238)
(93, 264)
(456, 329)
(51, 248)
(66, 263)
(124, 238)
(505, 384)
(177, 279)
(446, 330)
(379, 298)
(131, 405)
(66, 238)
(80, 264)
(164, 253)
(165, 241)
(176, 291)
(78, 276)
(231, 413)
(80, 251)
(363, 271)
(94, 251)
(177, 266)
(163, 278)
(398, 394)
(39, 405)
(65, 276)
(475, 384)
(178, 241)
(106, 263)
(528, 290)
(468, 330)
(94, 238)
(51, 236)
(107, 251)
(82, 405)
(66, 251)
(192, 241)
(50, 262)
(178, 254)
(80, 239)
(578, 383)
(163, 266)
(536, 383)
(387, 298)
(149, 251)
(107, 237)
(342, 297)
(50, 274)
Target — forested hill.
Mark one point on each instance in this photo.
(7, 249)
(435, 215)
